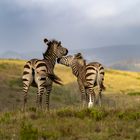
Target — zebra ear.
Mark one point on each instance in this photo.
(45, 40)
(78, 56)
(59, 43)
(43, 55)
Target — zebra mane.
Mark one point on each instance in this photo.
(50, 42)
(80, 59)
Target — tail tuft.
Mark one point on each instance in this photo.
(103, 87)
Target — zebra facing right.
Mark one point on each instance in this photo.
(40, 74)
(88, 76)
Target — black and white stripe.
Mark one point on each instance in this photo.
(39, 73)
(88, 76)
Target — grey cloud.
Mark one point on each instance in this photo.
(24, 26)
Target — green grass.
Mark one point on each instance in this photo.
(134, 93)
(72, 123)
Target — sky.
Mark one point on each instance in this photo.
(78, 24)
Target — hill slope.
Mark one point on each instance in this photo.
(11, 85)
(67, 117)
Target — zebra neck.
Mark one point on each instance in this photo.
(77, 70)
(51, 59)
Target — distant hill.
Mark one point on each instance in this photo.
(22, 55)
(11, 55)
(111, 55)
(129, 65)
(123, 57)
(117, 57)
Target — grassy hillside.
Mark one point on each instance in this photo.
(119, 118)
(118, 83)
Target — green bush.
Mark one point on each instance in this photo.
(28, 132)
(45, 135)
(129, 115)
(98, 114)
(134, 93)
(66, 112)
(5, 118)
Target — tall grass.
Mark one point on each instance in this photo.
(71, 123)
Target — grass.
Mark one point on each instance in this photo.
(134, 93)
(72, 123)
(115, 81)
(119, 118)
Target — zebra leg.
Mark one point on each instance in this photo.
(91, 95)
(25, 92)
(39, 97)
(48, 91)
(83, 92)
(100, 97)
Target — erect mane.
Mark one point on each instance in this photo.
(53, 41)
(50, 42)
(80, 59)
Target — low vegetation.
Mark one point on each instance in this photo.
(117, 119)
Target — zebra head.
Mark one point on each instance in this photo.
(66, 60)
(55, 48)
(70, 60)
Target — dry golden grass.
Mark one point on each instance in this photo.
(115, 81)
(65, 73)
(121, 81)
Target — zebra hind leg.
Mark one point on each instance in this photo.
(100, 97)
(83, 92)
(48, 91)
(92, 99)
(39, 97)
(25, 92)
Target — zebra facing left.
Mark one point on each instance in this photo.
(88, 76)
(40, 73)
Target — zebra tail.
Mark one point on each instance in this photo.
(103, 87)
(55, 78)
(100, 80)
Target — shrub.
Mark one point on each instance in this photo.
(98, 114)
(28, 132)
(134, 93)
(5, 118)
(66, 112)
(129, 115)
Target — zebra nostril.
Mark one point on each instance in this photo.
(58, 60)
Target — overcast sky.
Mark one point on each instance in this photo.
(77, 23)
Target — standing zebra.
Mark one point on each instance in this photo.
(39, 73)
(88, 76)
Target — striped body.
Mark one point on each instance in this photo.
(39, 73)
(94, 77)
(88, 76)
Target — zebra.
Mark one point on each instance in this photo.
(88, 76)
(40, 74)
